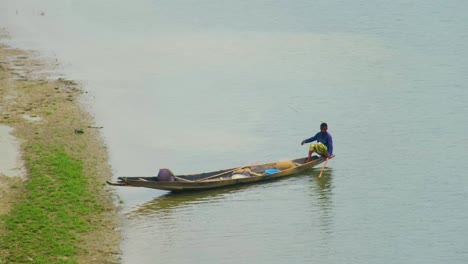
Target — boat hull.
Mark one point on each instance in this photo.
(203, 181)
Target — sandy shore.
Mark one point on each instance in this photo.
(48, 111)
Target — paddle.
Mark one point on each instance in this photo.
(323, 168)
(177, 178)
(226, 172)
(182, 179)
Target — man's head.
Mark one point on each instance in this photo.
(323, 127)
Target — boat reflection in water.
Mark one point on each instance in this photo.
(212, 226)
(170, 201)
(320, 188)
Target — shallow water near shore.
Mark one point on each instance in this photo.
(10, 156)
(221, 84)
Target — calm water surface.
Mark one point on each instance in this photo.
(206, 85)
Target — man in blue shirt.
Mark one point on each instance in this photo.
(324, 146)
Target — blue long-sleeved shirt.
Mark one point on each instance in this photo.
(325, 138)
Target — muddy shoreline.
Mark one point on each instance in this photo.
(48, 111)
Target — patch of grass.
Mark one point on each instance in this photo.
(56, 206)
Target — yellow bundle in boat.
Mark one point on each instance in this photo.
(245, 171)
(284, 165)
(241, 171)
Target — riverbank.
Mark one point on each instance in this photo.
(61, 211)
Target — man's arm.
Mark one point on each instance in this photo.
(309, 139)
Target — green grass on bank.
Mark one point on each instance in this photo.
(56, 206)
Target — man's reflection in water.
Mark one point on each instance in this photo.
(322, 192)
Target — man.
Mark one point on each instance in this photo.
(324, 146)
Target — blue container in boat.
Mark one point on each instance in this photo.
(272, 171)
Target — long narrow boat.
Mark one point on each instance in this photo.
(216, 179)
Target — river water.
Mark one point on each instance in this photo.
(197, 86)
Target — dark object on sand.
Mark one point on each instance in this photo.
(166, 175)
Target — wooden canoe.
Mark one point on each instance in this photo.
(221, 178)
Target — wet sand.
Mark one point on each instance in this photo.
(10, 156)
(35, 107)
